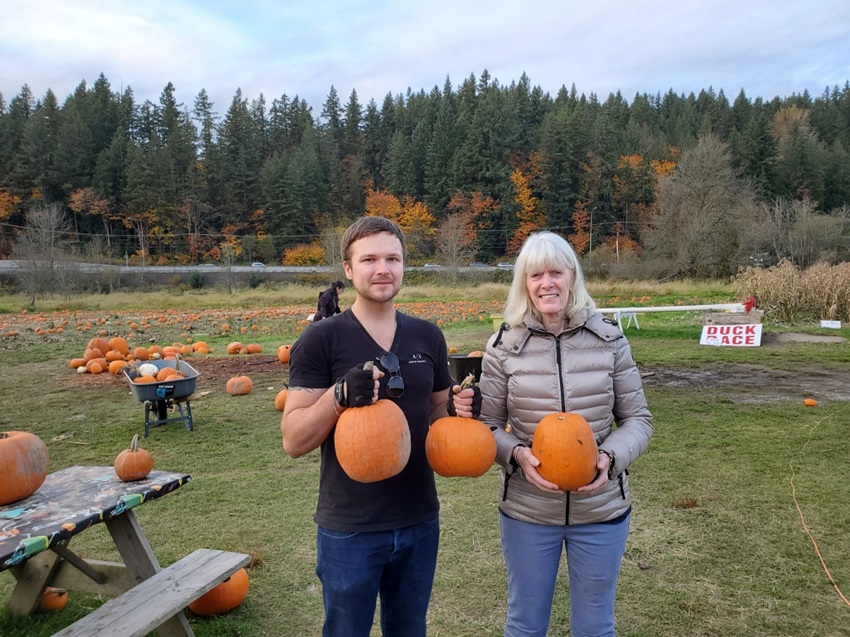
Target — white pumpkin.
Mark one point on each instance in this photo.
(147, 369)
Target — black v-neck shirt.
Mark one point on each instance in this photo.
(326, 351)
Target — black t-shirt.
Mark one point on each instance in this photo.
(326, 351)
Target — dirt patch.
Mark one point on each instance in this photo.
(754, 383)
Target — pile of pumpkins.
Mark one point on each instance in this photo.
(113, 355)
(24, 464)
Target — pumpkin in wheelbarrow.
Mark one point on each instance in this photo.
(24, 461)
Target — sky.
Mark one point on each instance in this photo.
(767, 48)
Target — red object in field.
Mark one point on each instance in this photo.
(750, 303)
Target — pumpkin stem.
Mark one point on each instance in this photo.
(468, 382)
(134, 444)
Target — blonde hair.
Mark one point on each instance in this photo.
(545, 251)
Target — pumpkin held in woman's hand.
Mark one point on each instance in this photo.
(565, 445)
(24, 461)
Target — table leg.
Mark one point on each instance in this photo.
(32, 576)
(142, 564)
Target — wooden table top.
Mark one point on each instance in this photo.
(70, 501)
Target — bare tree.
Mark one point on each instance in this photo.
(42, 246)
(453, 243)
(703, 206)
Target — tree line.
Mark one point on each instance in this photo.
(667, 185)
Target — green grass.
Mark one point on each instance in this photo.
(717, 545)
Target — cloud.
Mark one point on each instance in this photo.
(766, 47)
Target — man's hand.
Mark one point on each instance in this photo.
(361, 386)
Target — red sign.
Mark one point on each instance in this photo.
(731, 335)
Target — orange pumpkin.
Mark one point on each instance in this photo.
(74, 363)
(280, 400)
(115, 367)
(114, 355)
(283, 353)
(223, 597)
(53, 599)
(239, 386)
(254, 348)
(810, 402)
(234, 348)
(460, 447)
(565, 445)
(119, 343)
(165, 373)
(98, 343)
(91, 353)
(475, 354)
(141, 353)
(24, 461)
(134, 463)
(373, 442)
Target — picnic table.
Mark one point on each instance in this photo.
(34, 537)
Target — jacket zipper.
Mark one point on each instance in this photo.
(558, 365)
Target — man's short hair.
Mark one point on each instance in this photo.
(366, 227)
(339, 285)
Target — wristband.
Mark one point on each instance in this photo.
(339, 393)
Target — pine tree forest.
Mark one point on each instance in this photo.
(665, 185)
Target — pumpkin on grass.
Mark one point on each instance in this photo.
(134, 463)
(283, 354)
(24, 461)
(565, 445)
(239, 385)
(53, 599)
(280, 399)
(810, 402)
(460, 447)
(372, 442)
(223, 597)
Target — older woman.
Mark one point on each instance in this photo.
(555, 353)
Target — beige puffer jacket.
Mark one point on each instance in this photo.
(528, 373)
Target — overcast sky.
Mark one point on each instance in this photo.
(768, 48)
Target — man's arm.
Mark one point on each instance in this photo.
(308, 417)
(438, 404)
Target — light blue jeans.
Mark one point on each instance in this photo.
(532, 555)
(355, 568)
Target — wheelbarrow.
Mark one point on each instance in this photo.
(162, 396)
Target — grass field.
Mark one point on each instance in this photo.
(737, 472)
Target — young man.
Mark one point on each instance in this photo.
(377, 539)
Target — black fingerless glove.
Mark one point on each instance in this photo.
(476, 402)
(359, 387)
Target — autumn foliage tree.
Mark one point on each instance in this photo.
(580, 237)
(530, 216)
(413, 217)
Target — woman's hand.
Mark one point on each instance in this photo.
(603, 463)
(528, 462)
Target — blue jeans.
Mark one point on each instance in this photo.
(355, 568)
(532, 555)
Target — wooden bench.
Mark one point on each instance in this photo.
(147, 605)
